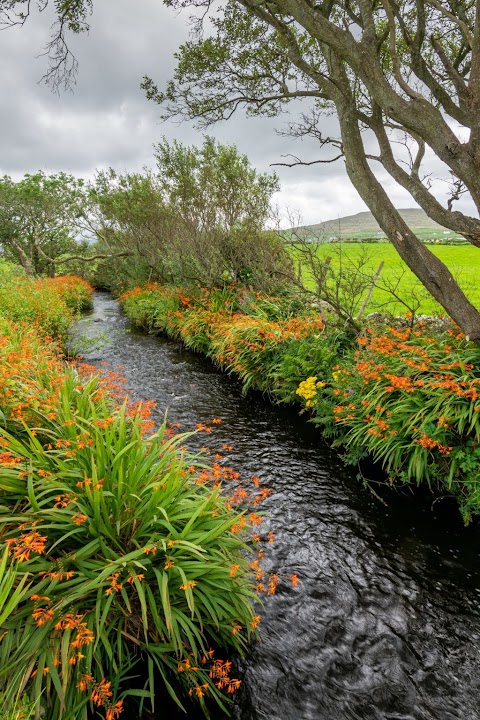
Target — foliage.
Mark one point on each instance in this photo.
(130, 553)
(47, 306)
(199, 220)
(131, 562)
(74, 291)
(214, 186)
(22, 709)
(10, 272)
(241, 330)
(14, 588)
(131, 217)
(411, 401)
(39, 219)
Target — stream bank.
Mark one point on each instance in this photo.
(385, 622)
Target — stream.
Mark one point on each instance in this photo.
(385, 621)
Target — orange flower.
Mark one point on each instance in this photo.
(84, 682)
(84, 636)
(114, 710)
(234, 569)
(79, 518)
(114, 585)
(255, 622)
(26, 544)
(189, 584)
(101, 692)
(42, 616)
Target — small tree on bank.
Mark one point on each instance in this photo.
(198, 220)
(38, 217)
(46, 222)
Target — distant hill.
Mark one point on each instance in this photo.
(363, 224)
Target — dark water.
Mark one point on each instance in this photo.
(385, 623)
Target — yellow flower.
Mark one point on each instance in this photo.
(308, 389)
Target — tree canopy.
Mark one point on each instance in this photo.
(199, 219)
(38, 219)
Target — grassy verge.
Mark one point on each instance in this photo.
(130, 564)
(409, 398)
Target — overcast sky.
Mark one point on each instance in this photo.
(107, 121)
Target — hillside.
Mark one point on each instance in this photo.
(363, 224)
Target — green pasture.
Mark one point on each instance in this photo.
(426, 234)
(462, 260)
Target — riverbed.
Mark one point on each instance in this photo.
(385, 621)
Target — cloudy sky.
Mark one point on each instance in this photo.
(107, 121)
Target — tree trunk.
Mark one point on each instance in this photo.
(23, 258)
(431, 272)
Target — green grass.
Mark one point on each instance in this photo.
(462, 260)
(424, 233)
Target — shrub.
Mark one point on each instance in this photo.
(48, 305)
(412, 401)
(242, 331)
(75, 291)
(29, 374)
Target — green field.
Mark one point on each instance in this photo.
(462, 260)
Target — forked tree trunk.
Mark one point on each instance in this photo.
(23, 258)
(431, 272)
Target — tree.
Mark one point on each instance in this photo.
(47, 221)
(199, 219)
(131, 218)
(386, 68)
(221, 205)
(38, 219)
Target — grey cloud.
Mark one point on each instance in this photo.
(107, 120)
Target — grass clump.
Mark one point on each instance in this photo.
(129, 556)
